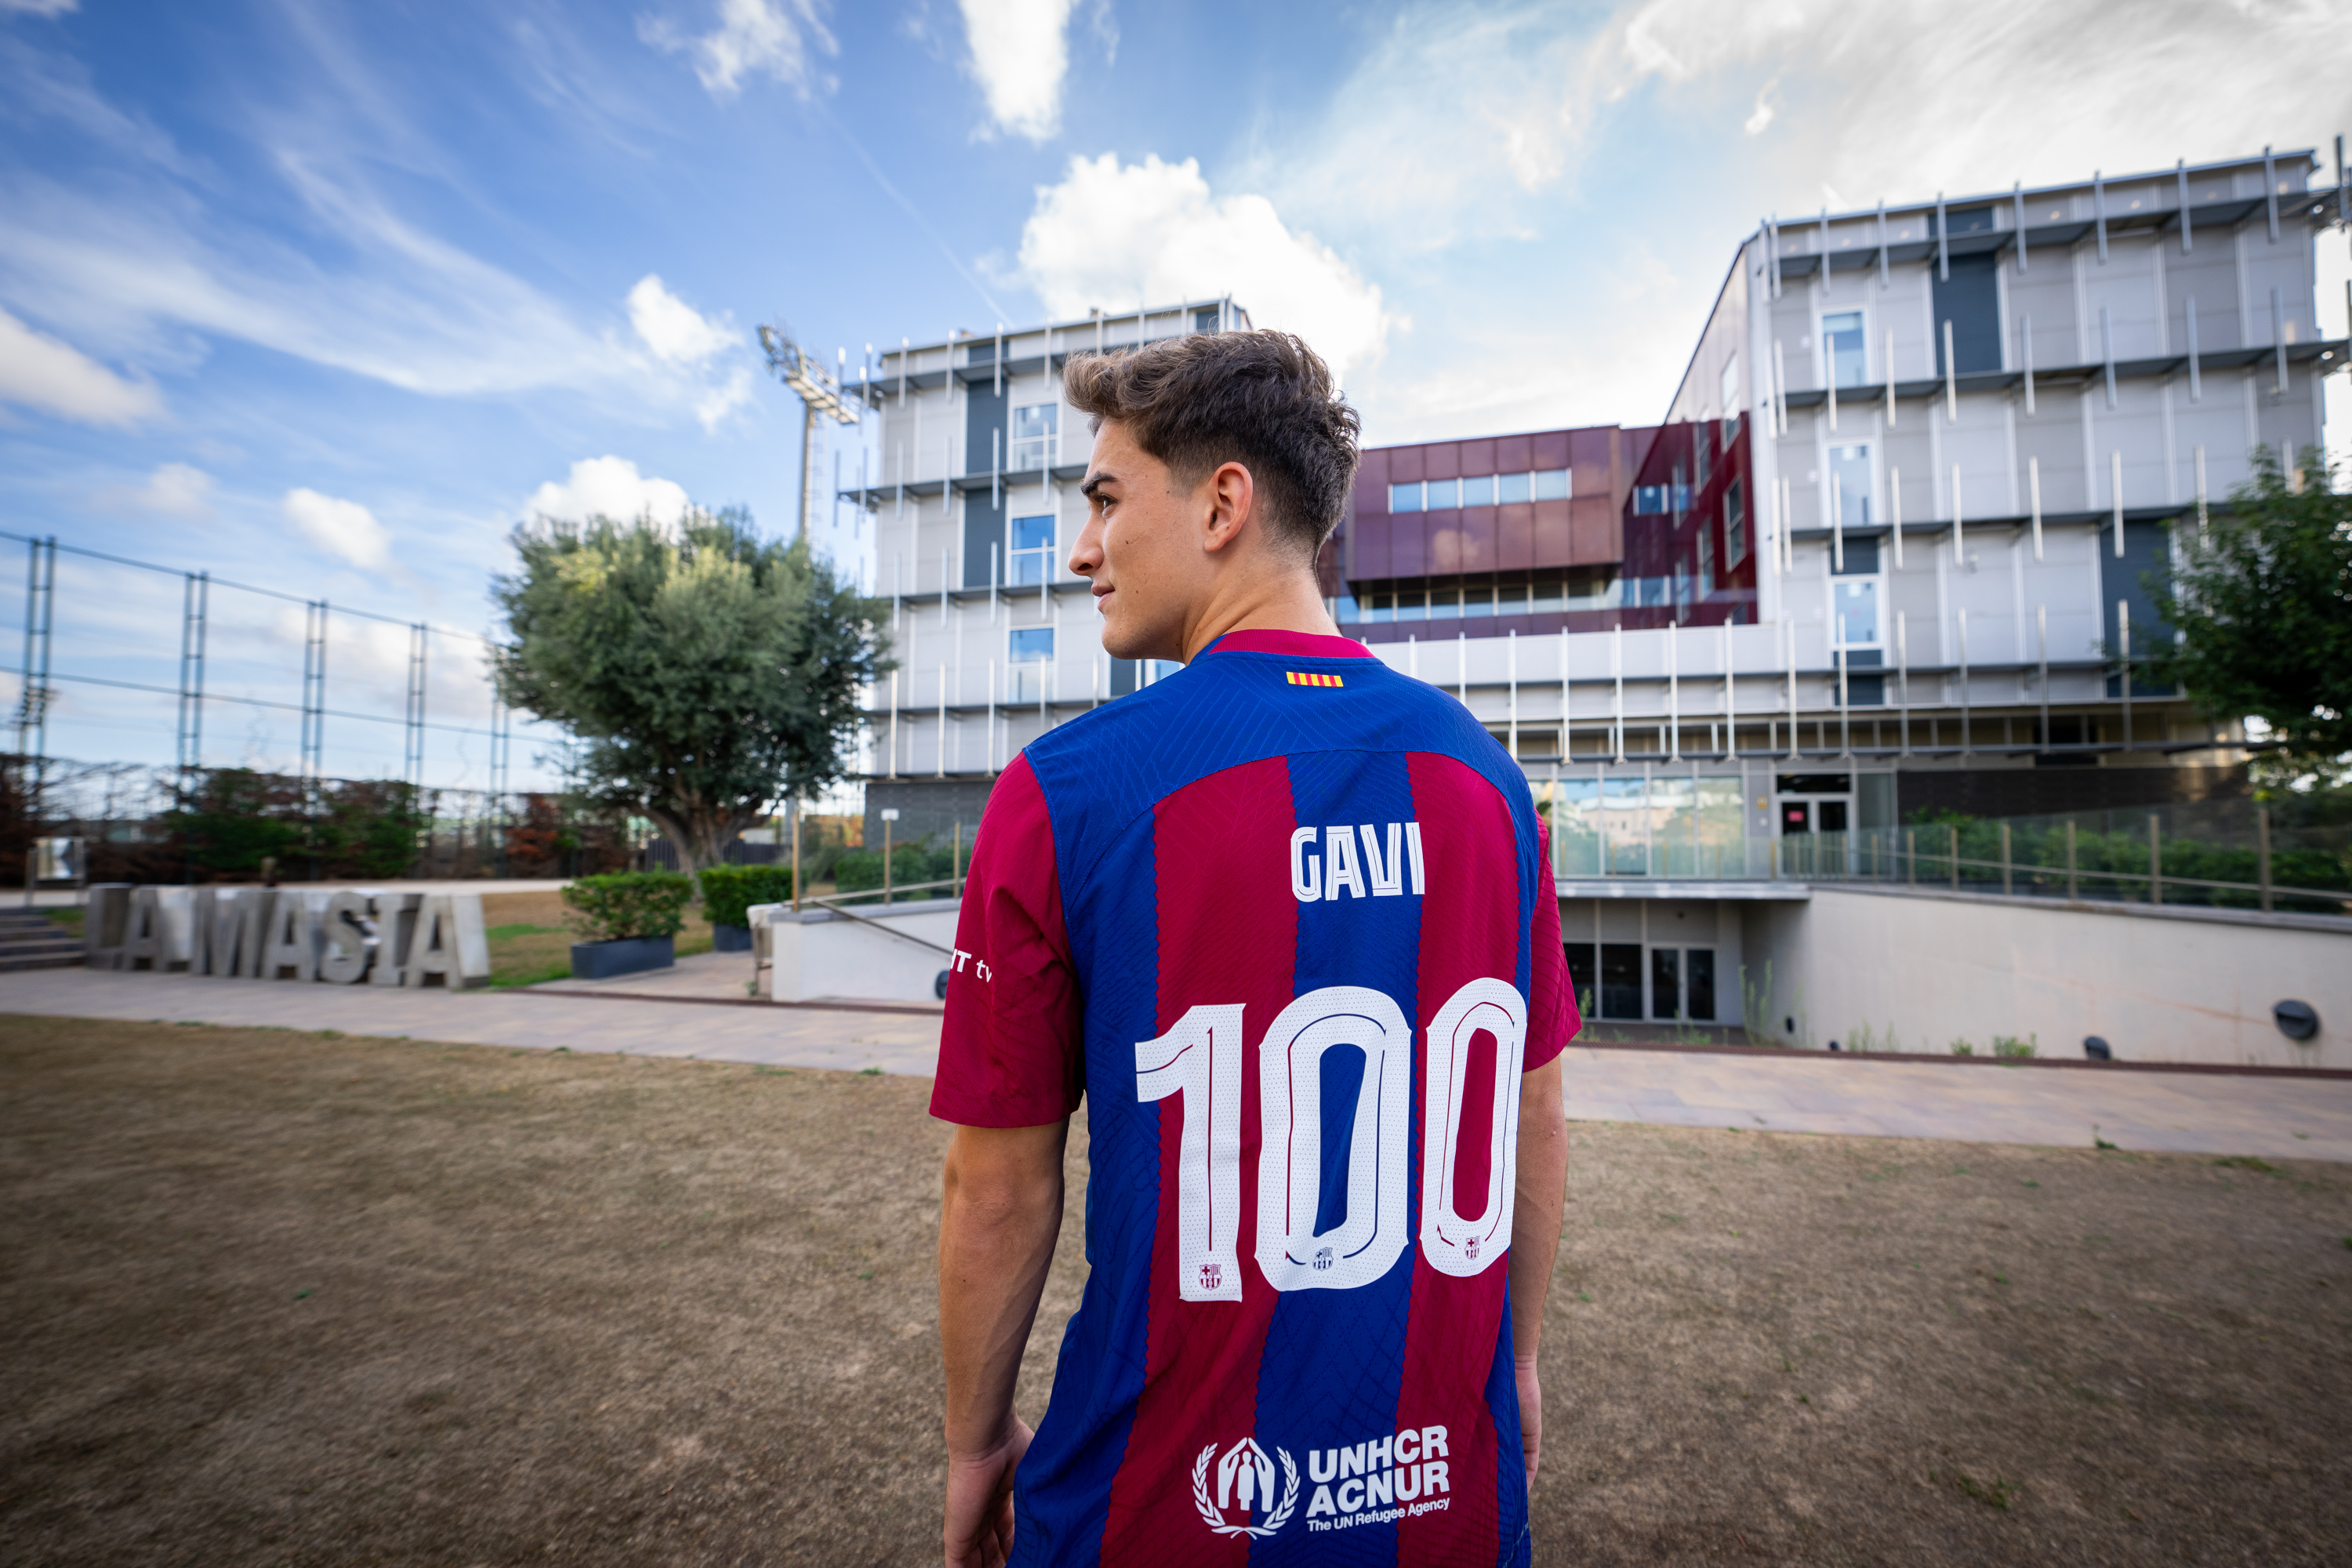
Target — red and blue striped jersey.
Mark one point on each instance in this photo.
(1285, 920)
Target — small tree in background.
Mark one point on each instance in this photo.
(710, 674)
(2261, 606)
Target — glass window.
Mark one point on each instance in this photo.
(1477, 601)
(1512, 600)
(1445, 604)
(1850, 475)
(1856, 601)
(1705, 455)
(1620, 980)
(1032, 551)
(1699, 986)
(1409, 606)
(1478, 491)
(1665, 983)
(1513, 487)
(1576, 827)
(1204, 319)
(1443, 494)
(1551, 484)
(1625, 827)
(1735, 526)
(1844, 349)
(1405, 497)
(1034, 430)
(1730, 395)
(1649, 501)
(1032, 645)
(1344, 608)
(1722, 827)
(1550, 598)
(1381, 607)
(1706, 561)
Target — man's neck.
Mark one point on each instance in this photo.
(1290, 603)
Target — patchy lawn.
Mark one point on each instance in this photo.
(300, 1299)
(530, 943)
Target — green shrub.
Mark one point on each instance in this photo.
(2010, 1047)
(624, 904)
(729, 890)
(911, 864)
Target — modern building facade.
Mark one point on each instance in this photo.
(1888, 551)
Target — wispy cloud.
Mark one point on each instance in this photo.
(765, 37)
(173, 490)
(39, 372)
(673, 329)
(40, 7)
(1019, 52)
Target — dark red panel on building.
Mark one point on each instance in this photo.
(1515, 455)
(1515, 536)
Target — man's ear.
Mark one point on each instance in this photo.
(1232, 496)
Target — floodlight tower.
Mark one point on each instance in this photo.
(820, 393)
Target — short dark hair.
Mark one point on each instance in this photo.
(1263, 400)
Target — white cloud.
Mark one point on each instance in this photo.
(717, 404)
(608, 486)
(771, 37)
(40, 7)
(173, 490)
(673, 329)
(339, 527)
(1112, 234)
(1020, 54)
(37, 371)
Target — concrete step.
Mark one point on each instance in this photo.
(10, 943)
(12, 960)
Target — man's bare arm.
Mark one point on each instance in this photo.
(1540, 1195)
(999, 1215)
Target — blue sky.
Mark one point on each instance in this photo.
(325, 297)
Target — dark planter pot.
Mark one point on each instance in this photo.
(730, 939)
(630, 955)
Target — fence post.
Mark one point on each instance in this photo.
(2006, 889)
(1911, 854)
(887, 825)
(1774, 857)
(2155, 859)
(2074, 891)
(796, 854)
(1954, 829)
(2263, 852)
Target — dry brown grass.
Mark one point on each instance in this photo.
(277, 1298)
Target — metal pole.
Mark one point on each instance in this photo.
(1911, 854)
(2006, 888)
(2263, 852)
(2073, 888)
(2154, 858)
(886, 859)
(795, 814)
(2123, 628)
(1954, 829)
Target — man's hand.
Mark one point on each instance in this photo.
(999, 1217)
(980, 1502)
(1531, 1413)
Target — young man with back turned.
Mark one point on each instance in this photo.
(1285, 920)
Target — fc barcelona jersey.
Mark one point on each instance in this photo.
(1285, 920)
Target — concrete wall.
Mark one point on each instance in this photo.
(2158, 986)
(817, 952)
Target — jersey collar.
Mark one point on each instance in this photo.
(1294, 645)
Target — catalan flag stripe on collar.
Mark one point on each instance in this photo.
(1311, 677)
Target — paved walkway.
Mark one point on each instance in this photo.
(2212, 1113)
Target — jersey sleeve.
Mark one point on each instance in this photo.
(1011, 1047)
(1552, 1016)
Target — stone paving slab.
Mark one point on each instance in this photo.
(2209, 1113)
(2204, 1113)
(756, 1032)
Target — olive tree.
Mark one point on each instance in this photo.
(707, 674)
(2259, 604)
